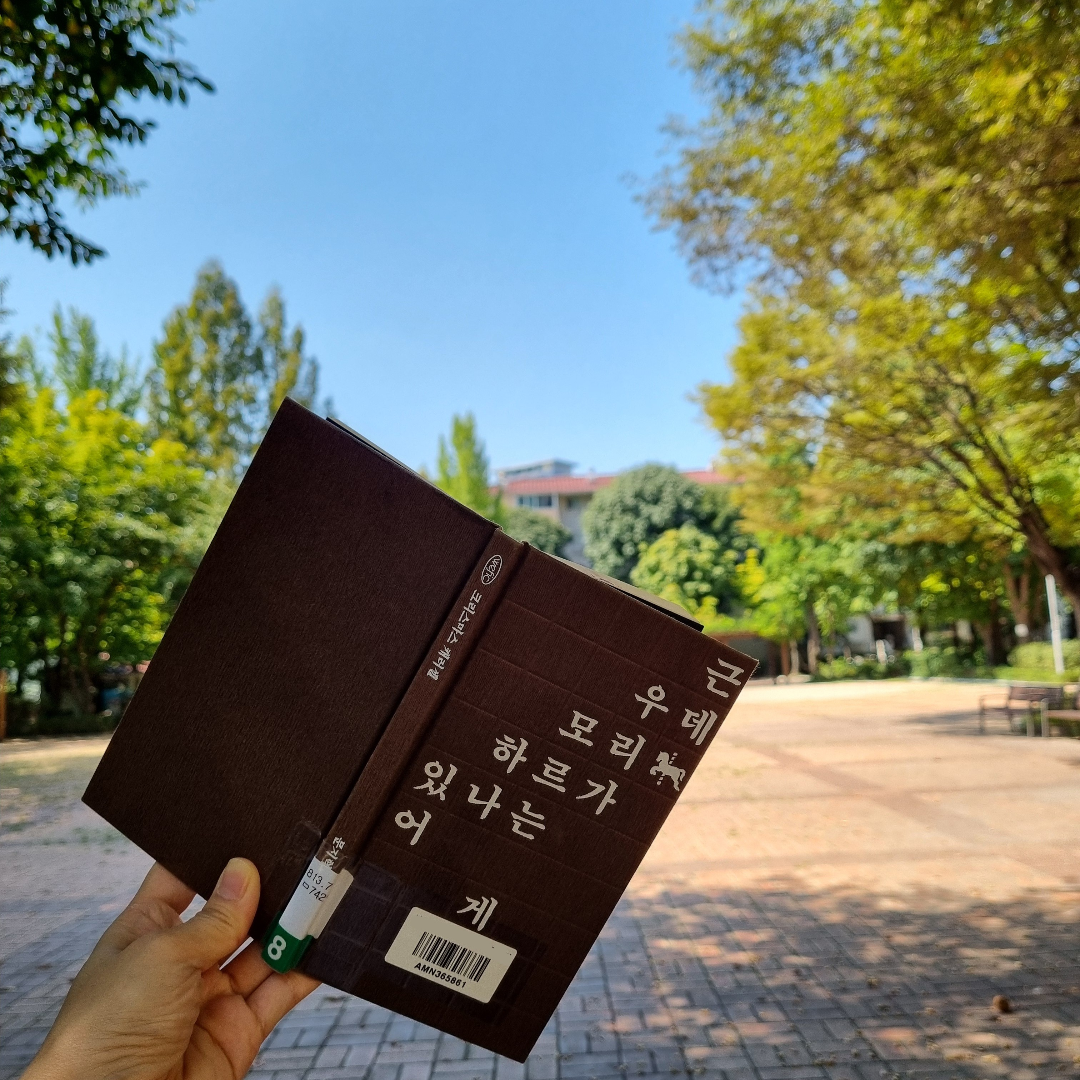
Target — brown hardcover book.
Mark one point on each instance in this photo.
(447, 752)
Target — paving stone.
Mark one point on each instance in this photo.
(851, 876)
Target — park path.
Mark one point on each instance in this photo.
(850, 878)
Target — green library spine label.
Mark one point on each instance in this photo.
(281, 950)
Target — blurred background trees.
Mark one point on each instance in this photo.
(463, 472)
(113, 478)
(894, 184)
(642, 504)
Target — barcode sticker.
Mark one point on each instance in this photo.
(448, 954)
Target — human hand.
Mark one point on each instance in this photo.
(152, 1003)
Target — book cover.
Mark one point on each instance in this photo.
(447, 752)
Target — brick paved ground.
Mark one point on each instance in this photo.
(849, 880)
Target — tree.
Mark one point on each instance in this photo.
(624, 518)
(804, 585)
(218, 377)
(70, 71)
(690, 568)
(289, 372)
(902, 178)
(10, 380)
(908, 415)
(462, 469)
(541, 531)
(80, 365)
(92, 522)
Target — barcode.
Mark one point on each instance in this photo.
(451, 957)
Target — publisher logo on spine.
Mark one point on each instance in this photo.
(491, 569)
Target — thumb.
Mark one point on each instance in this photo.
(221, 927)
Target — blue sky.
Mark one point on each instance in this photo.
(444, 194)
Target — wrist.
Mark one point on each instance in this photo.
(54, 1062)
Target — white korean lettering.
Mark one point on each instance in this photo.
(405, 820)
(656, 695)
(433, 770)
(527, 819)
(625, 746)
(700, 723)
(554, 773)
(607, 800)
(511, 750)
(488, 804)
(580, 726)
(732, 677)
(481, 910)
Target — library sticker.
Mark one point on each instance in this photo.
(448, 954)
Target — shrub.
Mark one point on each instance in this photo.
(25, 720)
(542, 532)
(949, 662)
(860, 668)
(1039, 655)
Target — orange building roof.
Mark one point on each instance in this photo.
(579, 485)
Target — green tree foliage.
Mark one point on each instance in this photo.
(902, 176)
(10, 375)
(692, 569)
(541, 531)
(71, 72)
(632, 512)
(288, 371)
(112, 483)
(462, 469)
(80, 365)
(802, 585)
(92, 529)
(218, 376)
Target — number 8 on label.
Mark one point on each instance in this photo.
(276, 948)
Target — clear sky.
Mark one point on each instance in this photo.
(444, 194)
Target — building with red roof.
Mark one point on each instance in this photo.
(551, 488)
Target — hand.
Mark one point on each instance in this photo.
(151, 1002)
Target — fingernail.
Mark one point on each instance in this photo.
(233, 882)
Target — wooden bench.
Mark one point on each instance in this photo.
(1067, 721)
(1024, 699)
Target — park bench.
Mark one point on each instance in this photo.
(1066, 720)
(1025, 700)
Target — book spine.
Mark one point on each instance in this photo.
(328, 876)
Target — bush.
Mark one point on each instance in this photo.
(860, 668)
(1039, 655)
(25, 720)
(542, 532)
(949, 662)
